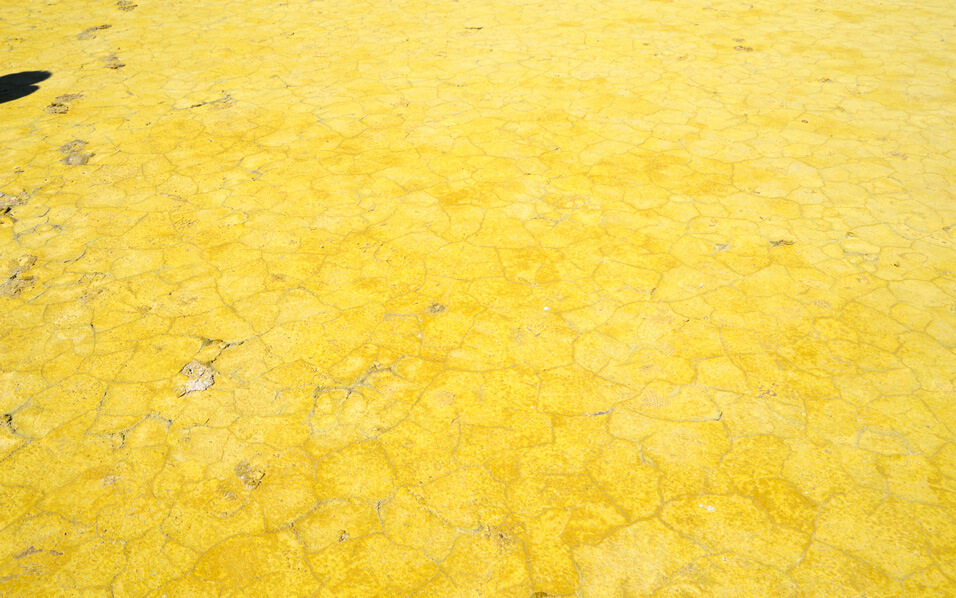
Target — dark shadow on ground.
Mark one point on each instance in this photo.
(17, 85)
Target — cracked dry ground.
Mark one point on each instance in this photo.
(603, 299)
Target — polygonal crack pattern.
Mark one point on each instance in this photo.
(597, 299)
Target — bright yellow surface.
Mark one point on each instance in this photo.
(470, 298)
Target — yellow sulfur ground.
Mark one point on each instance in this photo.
(605, 299)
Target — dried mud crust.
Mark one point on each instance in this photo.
(536, 299)
(18, 280)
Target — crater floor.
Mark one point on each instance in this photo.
(605, 299)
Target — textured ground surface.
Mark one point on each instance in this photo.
(398, 298)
